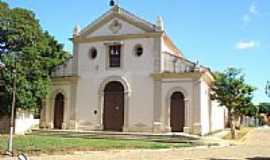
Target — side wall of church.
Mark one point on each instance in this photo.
(205, 108)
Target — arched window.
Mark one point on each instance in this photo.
(93, 53)
(138, 50)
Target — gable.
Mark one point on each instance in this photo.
(116, 26)
(117, 21)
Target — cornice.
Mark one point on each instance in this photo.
(72, 79)
(192, 75)
(117, 37)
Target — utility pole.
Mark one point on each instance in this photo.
(13, 105)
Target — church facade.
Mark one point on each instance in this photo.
(126, 75)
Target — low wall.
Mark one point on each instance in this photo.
(218, 117)
(250, 121)
(24, 122)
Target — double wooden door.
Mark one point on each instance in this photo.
(113, 116)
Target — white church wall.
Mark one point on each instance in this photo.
(141, 103)
(135, 69)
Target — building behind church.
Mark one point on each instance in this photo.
(127, 75)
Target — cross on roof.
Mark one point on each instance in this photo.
(114, 2)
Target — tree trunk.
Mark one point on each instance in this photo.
(229, 119)
(238, 121)
(232, 124)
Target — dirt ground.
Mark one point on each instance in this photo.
(256, 146)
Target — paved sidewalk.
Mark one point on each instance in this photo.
(255, 147)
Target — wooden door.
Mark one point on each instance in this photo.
(177, 112)
(113, 116)
(59, 111)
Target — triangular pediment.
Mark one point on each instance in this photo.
(117, 21)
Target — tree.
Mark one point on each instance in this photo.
(264, 107)
(231, 91)
(35, 53)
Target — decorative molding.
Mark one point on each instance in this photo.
(160, 76)
(121, 79)
(62, 80)
(177, 89)
(193, 75)
(116, 37)
(115, 26)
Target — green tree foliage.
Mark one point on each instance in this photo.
(264, 107)
(35, 52)
(231, 91)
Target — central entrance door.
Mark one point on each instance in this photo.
(58, 111)
(177, 112)
(113, 115)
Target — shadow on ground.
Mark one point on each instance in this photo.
(220, 159)
(259, 158)
(253, 158)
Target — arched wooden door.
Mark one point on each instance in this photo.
(177, 112)
(113, 114)
(58, 111)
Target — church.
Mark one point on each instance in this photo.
(127, 75)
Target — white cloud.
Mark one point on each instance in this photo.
(243, 45)
(253, 9)
(252, 12)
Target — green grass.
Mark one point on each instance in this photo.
(38, 144)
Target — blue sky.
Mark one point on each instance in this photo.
(217, 33)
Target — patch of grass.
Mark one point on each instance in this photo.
(38, 144)
(240, 133)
